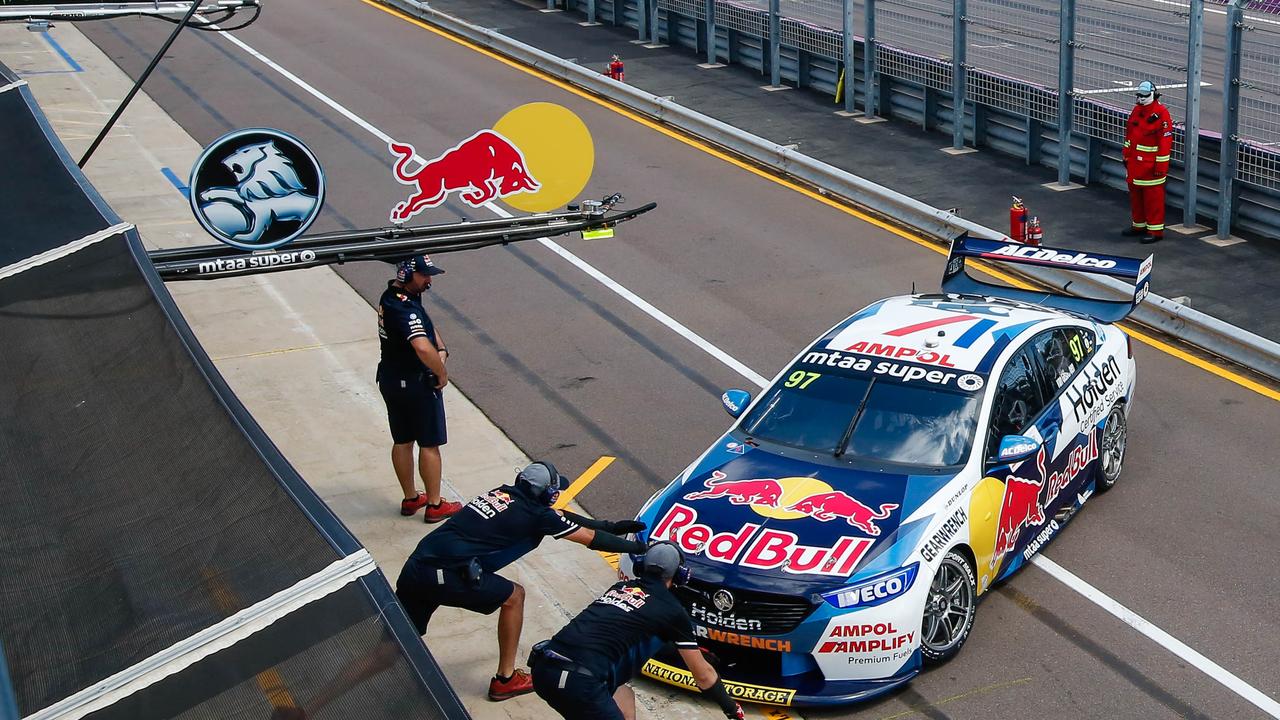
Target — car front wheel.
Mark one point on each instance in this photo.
(949, 610)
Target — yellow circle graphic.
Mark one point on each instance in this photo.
(794, 489)
(984, 516)
(557, 150)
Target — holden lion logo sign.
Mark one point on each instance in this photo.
(256, 189)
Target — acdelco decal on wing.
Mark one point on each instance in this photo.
(1029, 252)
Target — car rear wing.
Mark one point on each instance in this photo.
(956, 280)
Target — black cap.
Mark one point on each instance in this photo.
(417, 263)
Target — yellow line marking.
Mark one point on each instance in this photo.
(915, 709)
(284, 351)
(583, 480)
(611, 558)
(269, 680)
(705, 147)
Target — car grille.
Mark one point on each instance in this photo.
(757, 613)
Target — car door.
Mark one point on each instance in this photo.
(1021, 406)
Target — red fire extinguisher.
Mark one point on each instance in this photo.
(616, 69)
(1034, 233)
(1018, 220)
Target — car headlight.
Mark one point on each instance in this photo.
(874, 591)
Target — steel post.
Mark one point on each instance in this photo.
(869, 60)
(642, 18)
(1066, 87)
(850, 77)
(591, 11)
(711, 32)
(1230, 117)
(775, 43)
(958, 43)
(1191, 138)
(654, 38)
(177, 30)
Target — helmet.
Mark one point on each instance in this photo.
(664, 560)
(542, 482)
(1146, 92)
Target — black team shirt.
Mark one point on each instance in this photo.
(623, 628)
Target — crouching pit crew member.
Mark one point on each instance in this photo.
(581, 671)
(456, 566)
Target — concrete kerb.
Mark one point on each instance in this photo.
(1186, 324)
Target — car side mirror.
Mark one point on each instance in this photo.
(735, 401)
(1014, 448)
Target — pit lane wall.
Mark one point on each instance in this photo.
(162, 558)
(1207, 332)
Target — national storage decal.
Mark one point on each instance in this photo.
(742, 691)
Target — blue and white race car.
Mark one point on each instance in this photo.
(842, 531)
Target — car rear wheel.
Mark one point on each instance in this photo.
(949, 610)
(1115, 436)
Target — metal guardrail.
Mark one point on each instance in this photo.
(1204, 331)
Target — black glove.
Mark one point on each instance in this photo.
(728, 705)
(615, 527)
(622, 527)
(737, 714)
(612, 543)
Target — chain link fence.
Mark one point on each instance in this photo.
(1120, 43)
(911, 37)
(1259, 129)
(1013, 57)
(814, 26)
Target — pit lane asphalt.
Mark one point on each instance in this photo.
(572, 372)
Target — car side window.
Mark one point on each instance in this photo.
(1019, 398)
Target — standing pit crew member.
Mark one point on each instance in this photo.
(411, 378)
(1148, 142)
(581, 672)
(456, 565)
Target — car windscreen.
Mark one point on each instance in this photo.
(873, 419)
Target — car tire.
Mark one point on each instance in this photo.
(1115, 438)
(949, 609)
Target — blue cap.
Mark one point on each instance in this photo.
(1146, 87)
(417, 263)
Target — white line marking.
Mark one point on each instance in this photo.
(1216, 11)
(212, 639)
(1086, 590)
(1160, 637)
(62, 251)
(12, 85)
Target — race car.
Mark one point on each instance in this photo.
(842, 532)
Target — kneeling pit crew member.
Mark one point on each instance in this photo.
(456, 566)
(581, 671)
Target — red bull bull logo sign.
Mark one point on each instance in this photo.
(482, 167)
(754, 546)
(794, 498)
(536, 158)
